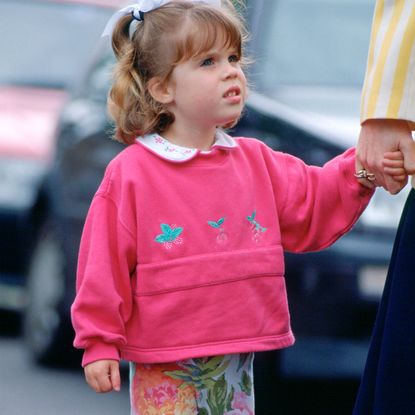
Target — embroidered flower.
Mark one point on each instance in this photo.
(158, 139)
(171, 235)
(257, 229)
(167, 147)
(222, 237)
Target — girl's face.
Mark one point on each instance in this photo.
(208, 91)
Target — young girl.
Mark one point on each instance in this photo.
(181, 266)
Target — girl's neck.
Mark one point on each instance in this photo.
(191, 138)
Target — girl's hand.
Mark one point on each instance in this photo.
(103, 375)
(393, 166)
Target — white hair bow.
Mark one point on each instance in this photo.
(140, 7)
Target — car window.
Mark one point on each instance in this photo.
(46, 43)
(311, 43)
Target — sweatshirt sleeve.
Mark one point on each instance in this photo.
(107, 259)
(317, 205)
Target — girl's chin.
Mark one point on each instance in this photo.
(231, 122)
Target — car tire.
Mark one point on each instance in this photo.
(46, 329)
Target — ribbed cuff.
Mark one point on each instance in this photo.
(100, 351)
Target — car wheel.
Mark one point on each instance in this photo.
(45, 328)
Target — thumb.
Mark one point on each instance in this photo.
(407, 147)
(115, 375)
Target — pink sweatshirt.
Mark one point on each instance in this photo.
(182, 251)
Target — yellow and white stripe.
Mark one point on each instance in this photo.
(389, 87)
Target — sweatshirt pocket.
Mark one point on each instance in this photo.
(210, 299)
(210, 269)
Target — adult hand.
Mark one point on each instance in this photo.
(103, 375)
(379, 136)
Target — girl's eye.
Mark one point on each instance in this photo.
(207, 62)
(234, 58)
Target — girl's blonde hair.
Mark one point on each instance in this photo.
(169, 35)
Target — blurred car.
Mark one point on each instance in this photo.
(45, 47)
(306, 76)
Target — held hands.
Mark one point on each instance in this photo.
(393, 166)
(386, 150)
(103, 375)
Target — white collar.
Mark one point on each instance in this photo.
(169, 151)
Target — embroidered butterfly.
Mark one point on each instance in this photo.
(170, 236)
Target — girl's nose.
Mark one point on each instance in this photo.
(230, 71)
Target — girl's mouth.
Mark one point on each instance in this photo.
(233, 91)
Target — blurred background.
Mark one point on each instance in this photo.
(308, 65)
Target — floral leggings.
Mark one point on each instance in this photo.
(220, 385)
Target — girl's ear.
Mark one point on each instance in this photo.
(160, 90)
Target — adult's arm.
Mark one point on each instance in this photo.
(388, 97)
